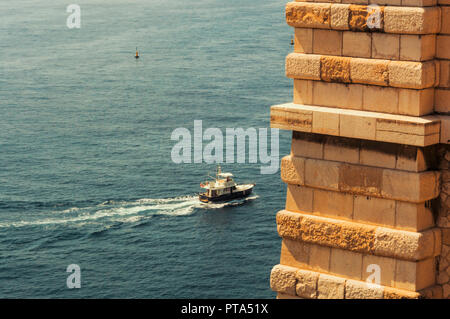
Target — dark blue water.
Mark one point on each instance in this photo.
(85, 170)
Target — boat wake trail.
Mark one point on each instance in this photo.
(125, 211)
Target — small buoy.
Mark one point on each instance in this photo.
(292, 41)
(137, 54)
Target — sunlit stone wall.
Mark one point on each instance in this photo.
(366, 212)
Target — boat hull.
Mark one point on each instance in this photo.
(226, 197)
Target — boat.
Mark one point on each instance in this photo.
(223, 188)
(137, 54)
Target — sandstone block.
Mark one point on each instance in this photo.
(403, 244)
(357, 126)
(413, 217)
(330, 287)
(368, 71)
(385, 46)
(361, 290)
(415, 102)
(417, 47)
(325, 123)
(327, 42)
(294, 253)
(293, 170)
(414, 75)
(359, 18)
(356, 44)
(339, 16)
(307, 145)
(444, 74)
(348, 96)
(319, 258)
(411, 158)
(303, 91)
(282, 279)
(346, 263)
(303, 42)
(355, 237)
(374, 210)
(341, 150)
(445, 11)
(419, 3)
(414, 276)
(303, 66)
(386, 266)
(411, 187)
(299, 199)
(329, 203)
(442, 101)
(307, 284)
(410, 20)
(322, 174)
(443, 47)
(400, 129)
(380, 99)
(392, 293)
(335, 69)
(286, 119)
(355, 1)
(308, 15)
(378, 154)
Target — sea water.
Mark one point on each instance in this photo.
(86, 176)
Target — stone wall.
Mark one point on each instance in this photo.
(443, 220)
(367, 176)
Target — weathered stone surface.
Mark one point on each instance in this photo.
(414, 75)
(307, 284)
(303, 66)
(409, 20)
(361, 290)
(282, 279)
(401, 244)
(322, 174)
(293, 170)
(418, 131)
(330, 287)
(307, 145)
(335, 69)
(369, 71)
(392, 293)
(361, 180)
(359, 17)
(303, 14)
(339, 16)
(341, 149)
(363, 238)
